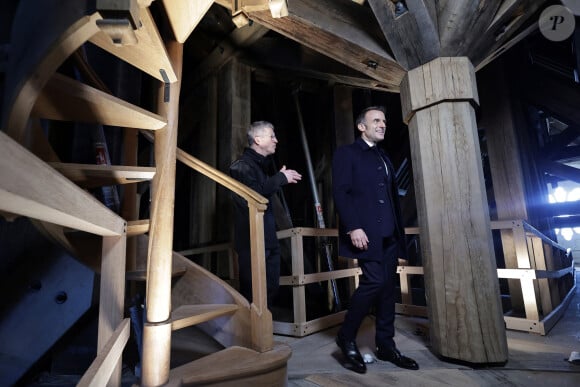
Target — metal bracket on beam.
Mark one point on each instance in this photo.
(166, 85)
(120, 20)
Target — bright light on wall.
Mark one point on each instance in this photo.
(574, 195)
(561, 195)
(567, 233)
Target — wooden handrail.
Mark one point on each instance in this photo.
(102, 367)
(230, 183)
(219, 177)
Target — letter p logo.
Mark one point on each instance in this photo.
(557, 23)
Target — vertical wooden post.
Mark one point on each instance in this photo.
(465, 315)
(202, 223)
(157, 329)
(504, 163)
(112, 294)
(298, 292)
(262, 326)
(234, 102)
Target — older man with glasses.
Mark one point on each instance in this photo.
(252, 170)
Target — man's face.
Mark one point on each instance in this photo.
(374, 127)
(266, 142)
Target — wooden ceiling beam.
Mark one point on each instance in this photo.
(341, 30)
(277, 59)
(225, 50)
(556, 96)
(563, 171)
(560, 141)
(462, 23)
(66, 99)
(412, 36)
(507, 28)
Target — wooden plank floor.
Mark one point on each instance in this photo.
(533, 360)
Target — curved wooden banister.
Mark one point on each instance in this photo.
(261, 327)
(251, 196)
(219, 177)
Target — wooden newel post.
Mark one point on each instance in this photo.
(262, 326)
(157, 327)
(462, 290)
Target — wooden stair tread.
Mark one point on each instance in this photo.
(141, 275)
(187, 315)
(137, 227)
(67, 99)
(29, 187)
(229, 364)
(92, 175)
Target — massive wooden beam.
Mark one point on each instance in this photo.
(284, 60)
(504, 30)
(342, 30)
(563, 171)
(506, 168)
(413, 36)
(465, 314)
(461, 23)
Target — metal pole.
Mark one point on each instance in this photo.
(317, 206)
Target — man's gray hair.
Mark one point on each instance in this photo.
(257, 128)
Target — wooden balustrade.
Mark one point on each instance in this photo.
(545, 272)
(261, 326)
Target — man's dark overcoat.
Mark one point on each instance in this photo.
(366, 197)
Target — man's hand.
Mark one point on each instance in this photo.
(359, 239)
(291, 175)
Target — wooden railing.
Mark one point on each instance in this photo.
(101, 369)
(544, 270)
(261, 326)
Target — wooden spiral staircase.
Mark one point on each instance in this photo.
(35, 184)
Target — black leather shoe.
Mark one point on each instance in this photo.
(352, 355)
(394, 356)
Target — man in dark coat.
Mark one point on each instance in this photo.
(370, 230)
(252, 170)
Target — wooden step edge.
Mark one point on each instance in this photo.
(141, 275)
(93, 175)
(188, 315)
(137, 227)
(232, 364)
